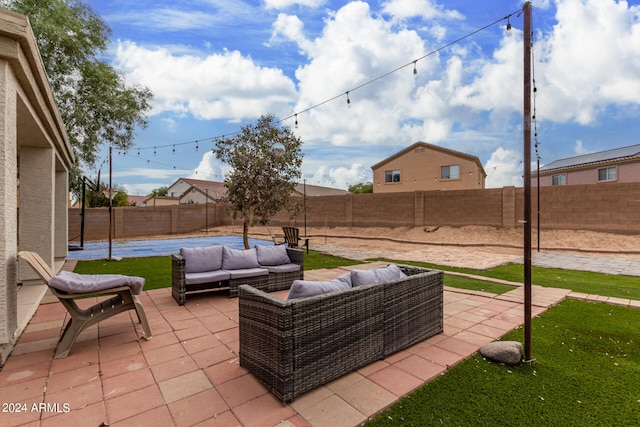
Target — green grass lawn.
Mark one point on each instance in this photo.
(579, 281)
(587, 355)
(586, 373)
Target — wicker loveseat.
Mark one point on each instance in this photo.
(270, 268)
(297, 345)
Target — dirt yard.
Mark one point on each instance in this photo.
(498, 240)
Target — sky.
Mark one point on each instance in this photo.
(217, 65)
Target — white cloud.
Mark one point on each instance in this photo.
(403, 9)
(353, 48)
(287, 27)
(152, 173)
(589, 61)
(340, 177)
(579, 149)
(224, 85)
(504, 168)
(282, 4)
(210, 168)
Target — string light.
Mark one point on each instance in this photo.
(296, 121)
(415, 69)
(197, 147)
(348, 100)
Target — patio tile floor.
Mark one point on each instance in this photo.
(189, 373)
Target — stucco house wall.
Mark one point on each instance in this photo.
(419, 168)
(36, 153)
(626, 172)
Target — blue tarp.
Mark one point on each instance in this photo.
(147, 248)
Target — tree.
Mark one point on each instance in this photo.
(361, 188)
(97, 199)
(265, 160)
(160, 191)
(95, 103)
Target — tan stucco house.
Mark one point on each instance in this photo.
(616, 165)
(36, 152)
(425, 167)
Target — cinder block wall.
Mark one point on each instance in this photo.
(608, 207)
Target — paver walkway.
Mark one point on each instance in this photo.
(189, 374)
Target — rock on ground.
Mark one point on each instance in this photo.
(507, 352)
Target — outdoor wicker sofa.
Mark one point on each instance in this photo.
(270, 268)
(297, 345)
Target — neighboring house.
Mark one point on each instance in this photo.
(189, 190)
(196, 191)
(137, 200)
(425, 167)
(162, 201)
(316, 190)
(617, 165)
(34, 213)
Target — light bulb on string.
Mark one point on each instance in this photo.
(296, 121)
(174, 149)
(508, 27)
(415, 69)
(197, 147)
(348, 100)
(154, 151)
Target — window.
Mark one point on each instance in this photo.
(559, 179)
(450, 172)
(392, 176)
(607, 174)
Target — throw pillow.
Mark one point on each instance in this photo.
(376, 275)
(239, 259)
(272, 255)
(363, 277)
(308, 288)
(201, 259)
(389, 273)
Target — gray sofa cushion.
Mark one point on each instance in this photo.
(376, 275)
(198, 260)
(84, 283)
(284, 268)
(272, 255)
(247, 272)
(239, 259)
(308, 288)
(206, 277)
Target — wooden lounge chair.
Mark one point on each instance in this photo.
(124, 299)
(278, 239)
(292, 237)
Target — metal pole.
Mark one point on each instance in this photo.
(538, 179)
(110, 203)
(304, 186)
(206, 210)
(527, 180)
(82, 212)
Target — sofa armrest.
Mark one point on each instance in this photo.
(178, 281)
(266, 343)
(296, 256)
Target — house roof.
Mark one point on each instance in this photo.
(316, 190)
(430, 147)
(617, 154)
(215, 190)
(138, 200)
